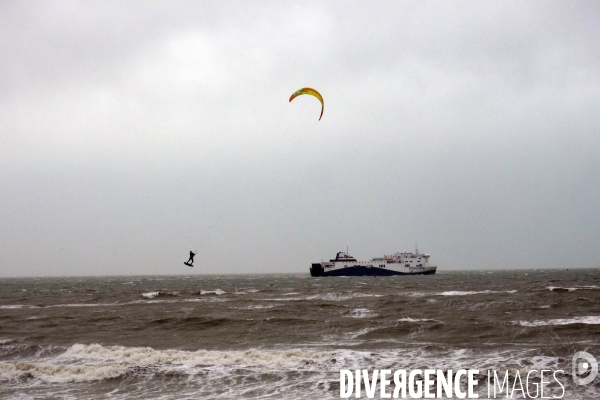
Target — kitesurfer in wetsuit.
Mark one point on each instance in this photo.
(191, 260)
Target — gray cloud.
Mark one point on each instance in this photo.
(134, 132)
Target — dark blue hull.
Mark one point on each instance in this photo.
(317, 270)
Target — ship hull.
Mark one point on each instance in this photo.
(359, 270)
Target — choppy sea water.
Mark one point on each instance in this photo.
(285, 336)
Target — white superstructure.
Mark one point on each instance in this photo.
(398, 263)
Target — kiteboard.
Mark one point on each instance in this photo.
(189, 265)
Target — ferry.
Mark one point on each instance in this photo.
(398, 263)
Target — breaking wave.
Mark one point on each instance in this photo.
(571, 289)
(362, 313)
(81, 363)
(590, 320)
(255, 307)
(460, 293)
(59, 373)
(151, 295)
(217, 292)
(419, 320)
(326, 297)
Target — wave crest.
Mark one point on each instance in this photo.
(80, 363)
(589, 320)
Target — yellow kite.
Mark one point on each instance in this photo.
(312, 92)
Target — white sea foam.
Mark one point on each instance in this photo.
(216, 291)
(362, 313)
(254, 307)
(467, 293)
(361, 332)
(60, 373)
(147, 355)
(419, 320)
(150, 295)
(82, 305)
(15, 306)
(571, 289)
(589, 320)
(327, 297)
(81, 363)
(271, 374)
(459, 293)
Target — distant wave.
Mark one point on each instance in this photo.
(419, 320)
(362, 313)
(151, 295)
(254, 307)
(218, 292)
(571, 289)
(15, 306)
(459, 293)
(590, 320)
(327, 297)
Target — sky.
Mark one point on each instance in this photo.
(134, 132)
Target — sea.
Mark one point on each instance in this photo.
(289, 336)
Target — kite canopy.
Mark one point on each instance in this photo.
(312, 92)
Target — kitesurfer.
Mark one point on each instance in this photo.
(191, 260)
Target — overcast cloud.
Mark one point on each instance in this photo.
(133, 132)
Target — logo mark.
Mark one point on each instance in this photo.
(581, 368)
